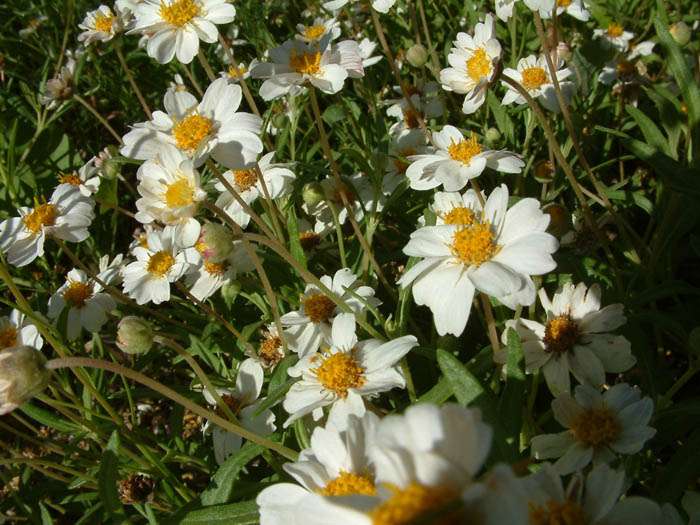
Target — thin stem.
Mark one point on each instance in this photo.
(682, 381)
(189, 75)
(490, 321)
(433, 55)
(274, 211)
(88, 362)
(99, 117)
(244, 85)
(205, 64)
(66, 32)
(134, 86)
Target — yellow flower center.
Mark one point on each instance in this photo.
(234, 74)
(408, 504)
(561, 334)
(474, 245)
(563, 3)
(269, 350)
(625, 67)
(339, 372)
(555, 513)
(465, 149)
(305, 63)
(104, 23)
(69, 178)
(308, 240)
(143, 241)
(347, 484)
(190, 132)
(77, 293)
(179, 193)
(615, 30)
(8, 337)
(534, 77)
(180, 12)
(42, 215)
(216, 268)
(478, 65)
(314, 32)
(596, 427)
(402, 166)
(319, 308)
(159, 263)
(245, 179)
(459, 215)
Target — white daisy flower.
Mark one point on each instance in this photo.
(614, 36)
(270, 351)
(545, 7)
(426, 104)
(162, 262)
(642, 49)
(233, 76)
(533, 74)
(593, 502)
(208, 277)
(294, 63)
(18, 330)
(343, 374)
(311, 325)
(599, 426)
(364, 200)
(176, 26)
(88, 304)
(491, 250)
(278, 180)
(171, 194)
(473, 61)
(232, 40)
(504, 9)
(575, 339)
(100, 25)
(60, 88)
(402, 147)
(336, 464)
(456, 160)
(86, 179)
(320, 28)
(575, 8)
(111, 272)
(367, 47)
(381, 6)
(212, 126)
(350, 57)
(140, 236)
(32, 26)
(66, 216)
(243, 402)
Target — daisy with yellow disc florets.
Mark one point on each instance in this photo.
(18, 329)
(100, 25)
(492, 249)
(532, 74)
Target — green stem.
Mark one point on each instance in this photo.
(100, 118)
(134, 86)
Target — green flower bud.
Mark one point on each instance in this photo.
(492, 136)
(279, 120)
(230, 291)
(23, 375)
(215, 243)
(417, 55)
(134, 335)
(312, 193)
(680, 33)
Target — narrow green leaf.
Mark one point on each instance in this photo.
(440, 393)
(680, 471)
(512, 401)
(243, 513)
(50, 420)
(108, 480)
(220, 489)
(274, 396)
(651, 132)
(295, 247)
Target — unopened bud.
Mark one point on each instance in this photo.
(312, 193)
(680, 33)
(215, 243)
(544, 172)
(134, 335)
(559, 222)
(279, 120)
(563, 51)
(23, 375)
(417, 56)
(492, 136)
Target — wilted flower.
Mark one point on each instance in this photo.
(23, 375)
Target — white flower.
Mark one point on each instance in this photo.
(88, 304)
(473, 61)
(343, 374)
(208, 277)
(270, 351)
(320, 28)
(177, 26)
(232, 75)
(278, 179)
(18, 330)
(32, 26)
(533, 74)
(367, 47)
(350, 59)
(614, 36)
(243, 402)
(60, 88)
(211, 127)
(111, 272)
(381, 6)
(162, 262)
(574, 339)
(642, 49)
(426, 104)
(100, 25)
(456, 160)
(294, 63)
(504, 9)
(170, 193)
(66, 216)
(86, 179)
(311, 324)
(231, 40)
(575, 8)
(599, 427)
(491, 250)
(402, 147)
(545, 7)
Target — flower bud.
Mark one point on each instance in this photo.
(23, 375)
(559, 222)
(312, 193)
(215, 243)
(134, 335)
(492, 137)
(680, 33)
(417, 56)
(544, 172)
(279, 120)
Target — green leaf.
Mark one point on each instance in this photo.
(440, 393)
(243, 513)
(512, 400)
(50, 420)
(295, 247)
(108, 480)
(651, 132)
(680, 471)
(220, 489)
(274, 396)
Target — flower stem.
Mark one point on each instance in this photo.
(99, 117)
(205, 64)
(134, 86)
(244, 85)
